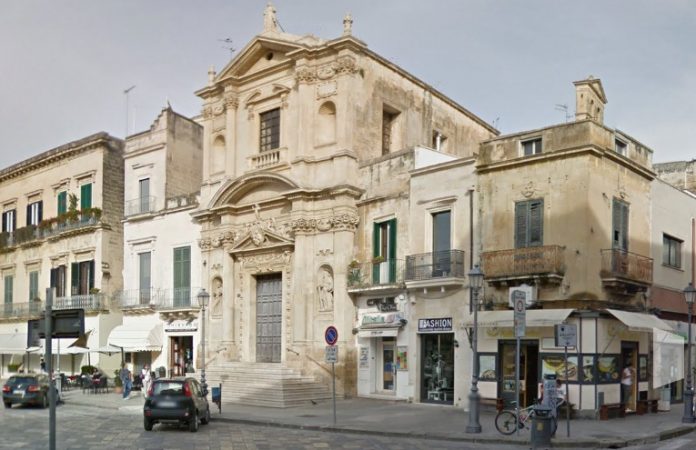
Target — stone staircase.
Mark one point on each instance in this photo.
(265, 384)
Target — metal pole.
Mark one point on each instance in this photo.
(49, 368)
(474, 399)
(517, 387)
(567, 394)
(204, 385)
(126, 92)
(333, 378)
(689, 394)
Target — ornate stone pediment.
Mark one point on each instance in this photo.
(260, 238)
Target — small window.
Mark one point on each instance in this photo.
(439, 141)
(270, 130)
(531, 147)
(388, 122)
(671, 251)
(620, 147)
(9, 223)
(34, 213)
(33, 285)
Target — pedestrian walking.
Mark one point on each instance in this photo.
(125, 376)
(146, 377)
(43, 364)
(627, 379)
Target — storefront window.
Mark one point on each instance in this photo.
(608, 369)
(437, 368)
(487, 370)
(555, 364)
(589, 372)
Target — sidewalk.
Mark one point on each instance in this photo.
(389, 418)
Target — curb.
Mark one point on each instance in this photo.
(558, 443)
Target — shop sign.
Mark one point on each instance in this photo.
(434, 325)
(380, 319)
(181, 325)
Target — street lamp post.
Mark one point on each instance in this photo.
(475, 284)
(689, 296)
(203, 298)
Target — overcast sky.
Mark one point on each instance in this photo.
(65, 63)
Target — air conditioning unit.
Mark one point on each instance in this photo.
(530, 294)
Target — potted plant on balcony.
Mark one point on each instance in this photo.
(354, 273)
(378, 260)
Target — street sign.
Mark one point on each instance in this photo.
(520, 314)
(331, 335)
(566, 335)
(67, 323)
(331, 355)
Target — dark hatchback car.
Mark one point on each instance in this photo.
(177, 400)
(30, 389)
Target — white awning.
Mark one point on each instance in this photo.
(58, 347)
(137, 337)
(13, 344)
(640, 322)
(535, 318)
(682, 329)
(378, 332)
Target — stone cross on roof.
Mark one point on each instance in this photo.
(348, 25)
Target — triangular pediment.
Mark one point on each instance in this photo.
(261, 238)
(260, 54)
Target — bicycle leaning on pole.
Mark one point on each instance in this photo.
(506, 419)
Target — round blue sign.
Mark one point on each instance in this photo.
(331, 335)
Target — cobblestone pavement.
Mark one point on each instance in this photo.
(80, 427)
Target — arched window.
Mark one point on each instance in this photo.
(326, 124)
(217, 157)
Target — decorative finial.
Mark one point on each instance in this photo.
(270, 23)
(348, 25)
(211, 75)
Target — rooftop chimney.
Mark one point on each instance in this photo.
(589, 99)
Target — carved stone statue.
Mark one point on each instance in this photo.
(270, 23)
(216, 304)
(325, 288)
(348, 25)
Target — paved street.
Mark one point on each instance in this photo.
(81, 427)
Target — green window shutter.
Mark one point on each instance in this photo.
(9, 288)
(91, 275)
(86, 196)
(33, 285)
(619, 220)
(391, 249)
(521, 209)
(62, 202)
(375, 239)
(536, 223)
(624, 226)
(182, 275)
(74, 278)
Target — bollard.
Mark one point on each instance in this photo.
(542, 427)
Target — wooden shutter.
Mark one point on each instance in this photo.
(74, 278)
(90, 283)
(619, 225)
(521, 209)
(40, 213)
(86, 196)
(62, 202)
(536, 223)
(4, 222)
(182, 275)
(8, 289)
(33, 285)
(391, 250)
(29, 214)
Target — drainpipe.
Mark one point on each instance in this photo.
(471, 242)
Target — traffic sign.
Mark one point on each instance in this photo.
(331, 355)
(566, 335)
(520, 315)
(331, 335)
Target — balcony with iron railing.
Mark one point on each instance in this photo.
(21, 311)
(625, 271)
(88, 302)
(141, 205)
(157, 299)
(51, 228)
(435, 269)
(545, 262)
(377, 275)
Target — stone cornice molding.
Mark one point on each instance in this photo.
(342, 65)
(340, 222)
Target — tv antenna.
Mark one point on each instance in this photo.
(563, 107)
(228, 45)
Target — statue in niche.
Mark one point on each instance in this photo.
(325, 287)
(216, 304)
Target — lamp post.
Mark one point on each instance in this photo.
(475, 284)
(689, 296)
(203, 298)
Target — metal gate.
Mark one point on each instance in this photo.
(268, 317)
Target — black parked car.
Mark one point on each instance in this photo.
(26, 389)
(178, 400)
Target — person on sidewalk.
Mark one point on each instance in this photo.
(125, 376)
(627, 379)
(146, 378)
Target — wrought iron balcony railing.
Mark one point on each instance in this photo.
(157, 298)
(51, 227)
(21, 311)
(141, 205)
(521, 262)
(625, 265)
(376, 273)
(88, 302)
(427, 266)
